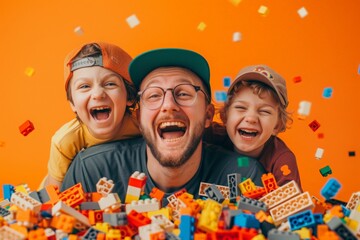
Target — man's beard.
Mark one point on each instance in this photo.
(175, 161)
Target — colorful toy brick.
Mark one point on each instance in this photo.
(25, 202)
(314, 125)
(319, 153)
(64, 222)
(95, 216)
(223, 189)
(251, 205)
(214, 193)
(301, 219)
(110, 202)
(73, 196)
(135, 186)
(246, 221)
(327, 92)
(247, 186)
(81, 221)
(26, 128)
(325, 171)
(342, 230)
(304, 108)
(26, 218)
(233, 181)
(269, 182)
(353, 201)
(104, 186)
(163, 221)
(297, 79)
(8, 190)
(255, 194)
(294, 205)
(146, 205)
(189, 202)
(275, 234)
(9, 233)
(187, 227)
(115, 219)
(331, 188)
(151, 232)
(157, 193)
(209, 217)
(281, 194)
(137, 219)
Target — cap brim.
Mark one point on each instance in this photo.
(255, 76)
(143, 64)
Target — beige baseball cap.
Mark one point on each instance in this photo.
(266, 75)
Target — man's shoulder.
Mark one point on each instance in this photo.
(119, 146)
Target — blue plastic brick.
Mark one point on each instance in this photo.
(187, 227)
(247, 221)
(220, 96)
(91, 233)
(8, 190)
(226, 81)
(229, 216)
(330, 189)
(327, 93)
(346, 211)
(301, 219)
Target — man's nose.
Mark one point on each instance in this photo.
(169, 102)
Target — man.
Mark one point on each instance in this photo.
(174, 109)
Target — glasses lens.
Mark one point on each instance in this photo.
(185, 94)
(152, 97)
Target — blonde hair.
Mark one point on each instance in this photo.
(258, 88)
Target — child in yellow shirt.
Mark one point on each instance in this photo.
(102, 95)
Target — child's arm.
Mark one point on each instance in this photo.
(52, 181)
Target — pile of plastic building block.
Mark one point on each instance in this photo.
(240, 210)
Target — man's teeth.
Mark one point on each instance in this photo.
(169, 124)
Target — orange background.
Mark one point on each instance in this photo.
(322, 48)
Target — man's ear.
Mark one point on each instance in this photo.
(210, 111)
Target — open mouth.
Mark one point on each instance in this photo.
(248, 133)
(100, 113)
(171, 130)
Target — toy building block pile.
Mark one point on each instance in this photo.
(240, 210)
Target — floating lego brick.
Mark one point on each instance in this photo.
(352, 154)
(269, 182)
(79, 31)
(331, 188)
(301, 220)
(235, 2)
(104, 186)
(281, 194)
(243, 161)
(294, 205)
(226, 81)
(2, 144)
(304, 108)
(132, 21)
(8, 190)
(29, 71)
(285, 170)
(263, 10)
(297, 79)
(26, 128)
(201, 26)
(325, 171)
(327, 92)
(314, 125)
(233, 181)
(302, 12)
(236, 37)
(220, 96)
(319, 153)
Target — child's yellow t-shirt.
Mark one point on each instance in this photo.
(73, 136)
